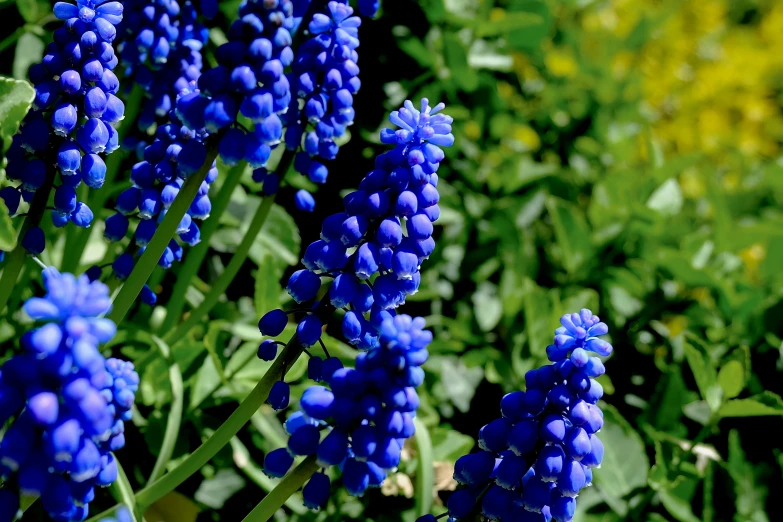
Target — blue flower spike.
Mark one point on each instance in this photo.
(359, 418)
(70, 128)
(536, 458)
(65, 405)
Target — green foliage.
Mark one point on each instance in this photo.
(15, 100)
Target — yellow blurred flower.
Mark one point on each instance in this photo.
(692, 184)
(524, 138)
(711, 82)
(561, 63)
(752, 258)
(472, 130)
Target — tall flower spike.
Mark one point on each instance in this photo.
(160, 44)
(534, 460)
(368, 413)
(325, 79)
(67, 405)
(70, 126)
(368, 410)
(250, 80)
(387, 224)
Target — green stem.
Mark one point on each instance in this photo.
(175, 415)
(27, 501)
(166, 230)
(98, 198)
(123, 492)
(235, 422)
(424, 472)
(12, 38)
(15, 260)
(709, 476)
(255, 473)
(267, 508)
(217, 385)
(237, 260)
(195, 257)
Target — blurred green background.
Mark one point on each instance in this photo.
(621, 155)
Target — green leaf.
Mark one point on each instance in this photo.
(572, 233)
(456, 58)
(279, 237)
(530, 38)
(667, 199)
(625, 465)
(677, 507)
(205, 382)
(458, 383)
(29, 50)
(448, 445)
(705, 376)
(732, 379)
(7, 231)
(509, 22)
(16, 97)
(766, 403)
(216, 491)
(424, 469)
(267, 292)
(487, 306)
(28, 9)
(749, 492)
(414, 48)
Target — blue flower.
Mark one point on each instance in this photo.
(325, 79)
(67, 404)
(535, 459)
(579, 334)
(70, 127)
(160, 44)
(368, 411)
(97, 15)
(250, 80)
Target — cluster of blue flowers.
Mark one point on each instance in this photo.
(325, 79)
(536, 458)
(156, 181)
(367, 413)
(67, 403)
(74, 109)
(249, 80)
(160, 44)
(384, 234)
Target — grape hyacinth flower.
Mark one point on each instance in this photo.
(67, 405)
(325, 79)
(369, 8)
(70, 126)
(249, 80)
(160, 44)
(360, 418)
(534, 460)
(176, 154)
(384, 234)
